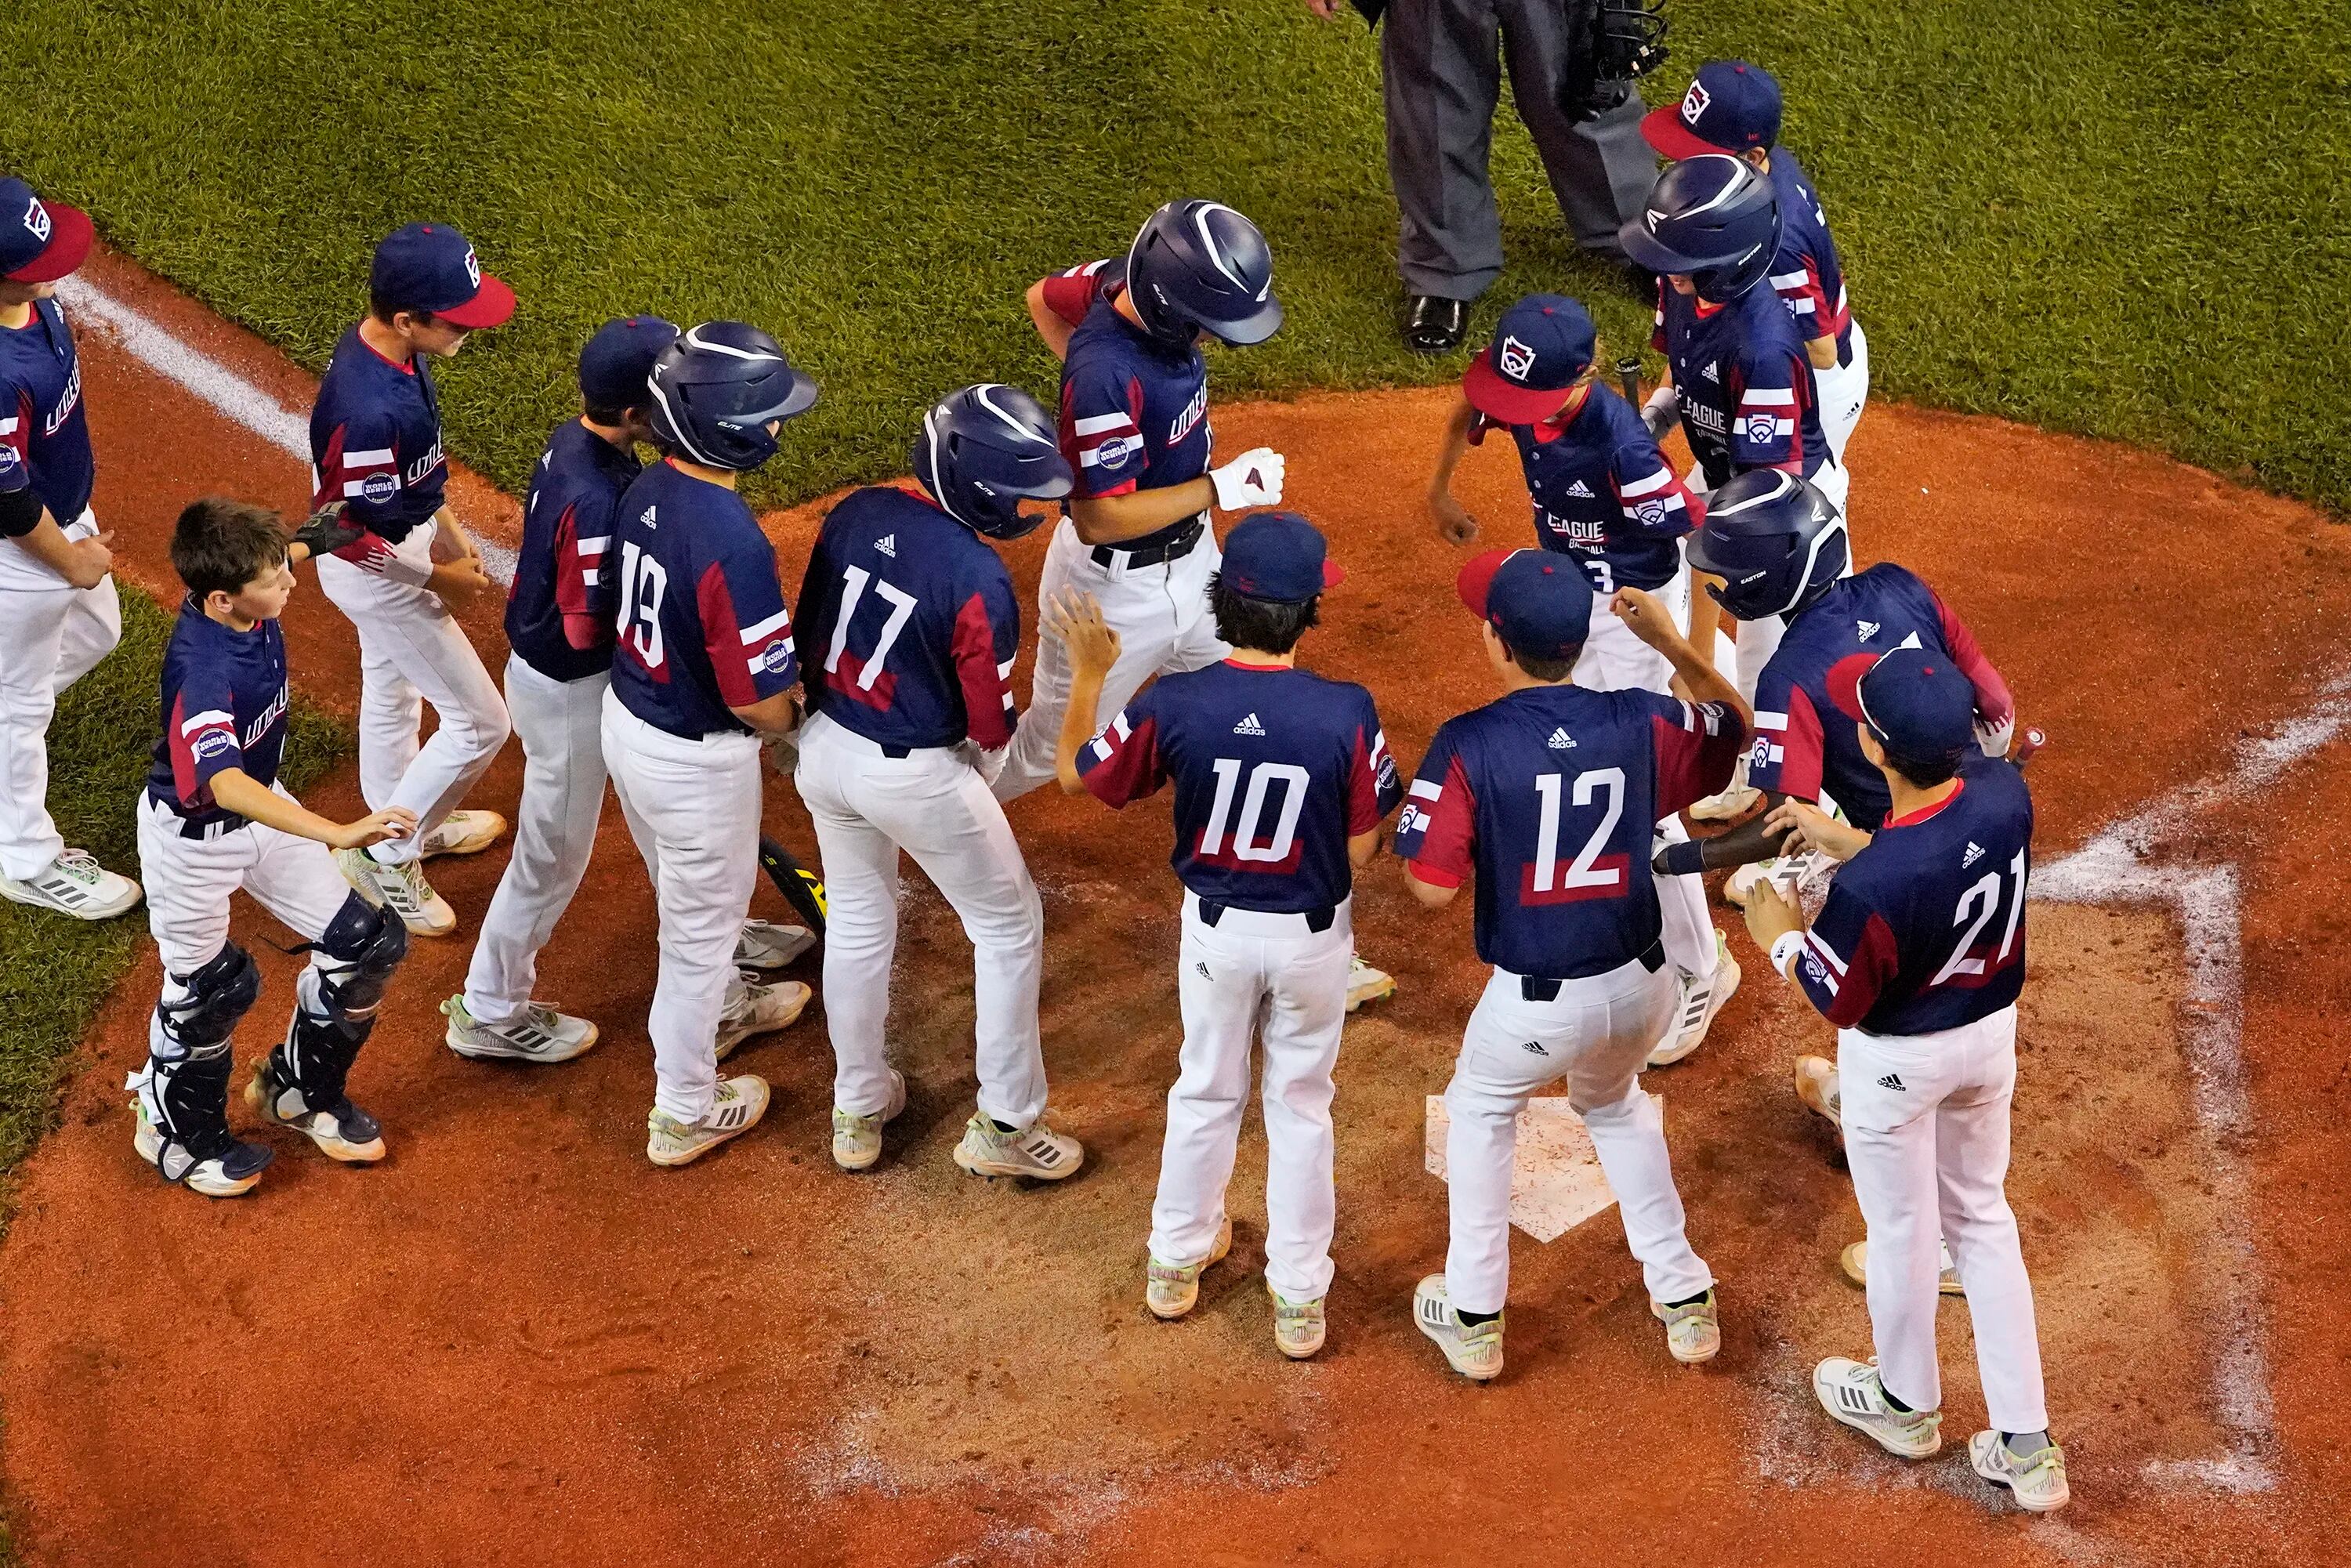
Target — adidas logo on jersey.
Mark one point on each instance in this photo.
(1975, 853)
(888, 545)
(1868, 629)
(647, 517)
(1710, 374)
(1893, 1081)
(1561, 741)
(1580, 488)
(1248, 726)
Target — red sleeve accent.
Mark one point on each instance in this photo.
(1444, 854)
(1992, 698)
(1696, 749)
(19, 434)
(1122, 763)
(1800, 743)
(1873, 965)
(722, 638)
(1363, 812)
(1070, 295)
(184, 754)
(986, 702)
(581, 627)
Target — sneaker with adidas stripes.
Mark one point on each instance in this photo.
(75, 884)
(539, 1033)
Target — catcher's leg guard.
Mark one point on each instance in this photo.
(301, 1085)
(183, 1104)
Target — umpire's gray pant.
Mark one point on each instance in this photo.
(1441, 60)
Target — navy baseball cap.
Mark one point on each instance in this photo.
(1543, 343)
(1539, 603)
(40, 242)
(430, 267)
(617, 361)
(1919, 705)
(1278, 556)
(1730, 106)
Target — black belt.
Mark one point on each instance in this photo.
(1534, 988)
(199, 829)
(1317, 920)
(1175, 549)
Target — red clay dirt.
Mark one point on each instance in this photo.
(516, 1341)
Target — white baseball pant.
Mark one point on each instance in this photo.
(1270, 976)
(189, 880)
(1597, 1033)
(693, 807)
(560, 724)
(51, 634)
(1161, 615)
(933, 804)
(1844, 392)
(1757, 641)
(1926, 1134)
(413, 652)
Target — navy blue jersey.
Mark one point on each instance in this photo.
(559, 610)
(1550, 795)
(908, 625)
(1806, 701)
(375, 443)
(224, 706)
(1604, 494)
(1746, 384)
(702, 624)
(1274, 768)
(1135, 412)
(44, 437)
(1924, 929)
(1805, 272)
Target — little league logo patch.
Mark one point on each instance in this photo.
(1650, 513)
(1695, 104)
(1762, 428)
(37, 220)
(1514, 359)
(379, 488)
(8, 460)
(473, 267)
(1759, 754)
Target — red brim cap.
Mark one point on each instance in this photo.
(1661, 128)
(69, 236)
(1845, 684)
(1476, 576)
(1490, 394)
(1333, 574)
(493, 304)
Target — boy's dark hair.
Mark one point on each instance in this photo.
(384, 310)
(1923, 775)
(1552, 670)
(1269, 625)
(219, 544)
(607, 417)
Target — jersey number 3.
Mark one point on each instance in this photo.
(643, 582)
(1591, 874)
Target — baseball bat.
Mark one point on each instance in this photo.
(801, 888)
(1628, 378)
(2029, 739)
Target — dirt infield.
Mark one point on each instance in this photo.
(517, 1343)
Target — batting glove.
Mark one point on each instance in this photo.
(1994, 738)
(1252, 479)
(325, 531)
(1660, 413)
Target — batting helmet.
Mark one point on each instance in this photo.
(1201, 266)
(1712, 219)
(1775, 541)
(716, 390)
(985, 449)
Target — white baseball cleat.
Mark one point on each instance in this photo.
(462, 833)
(1171, 1289)
(1473, 1350)
(764, 945)
(1366, 984)
(74, 884)
(1816, 1086)
(1701, 999)
(233, 1172)
(857, 1140)
(399, 888)
(740, 1102)
(759, 1009)
(1852, 1391)
(989, 1149)
(538, 1034)
(1856, 1261)
(1729, 803)
(2037, 1479)
(1789, 873)
(1297, 1326)
(1693, 1330)
(342, 1131)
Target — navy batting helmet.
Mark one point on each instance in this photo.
(1199, 267)
(1714, 220)
(985, 449)
(717, 388)
(1775, 541)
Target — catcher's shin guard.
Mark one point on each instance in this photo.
(183, 1089)
(334, 1013)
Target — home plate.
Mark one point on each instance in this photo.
(1556, 1184)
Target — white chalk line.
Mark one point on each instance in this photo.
(219, 388)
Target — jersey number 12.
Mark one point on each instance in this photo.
(1591, 874)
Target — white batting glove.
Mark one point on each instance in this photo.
(1252, 479)
(1995, 737)
(1662, 411)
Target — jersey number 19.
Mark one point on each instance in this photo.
(643, 582)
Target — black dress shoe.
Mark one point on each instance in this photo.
(1434, 326)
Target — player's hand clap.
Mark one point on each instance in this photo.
(1817, 830)
(1252, 479)
(461, 579)
(1770, 915)
(375, 828)
(1093, 643)
(1455, 526)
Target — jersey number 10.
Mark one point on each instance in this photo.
(1246, 847)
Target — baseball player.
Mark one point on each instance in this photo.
(1734, 107)
(1606, 498)
(1547, 795)
(375, 444)
(559, 625)
(1281, 780)
(703, 672)
(1135, 425)
(1781, 550)
(1918, 958)
(908, 631)
(59, 615)
(213, 819)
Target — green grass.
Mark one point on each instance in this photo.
(2123, 217)
(59, 970)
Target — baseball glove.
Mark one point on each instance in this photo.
(324, 531)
